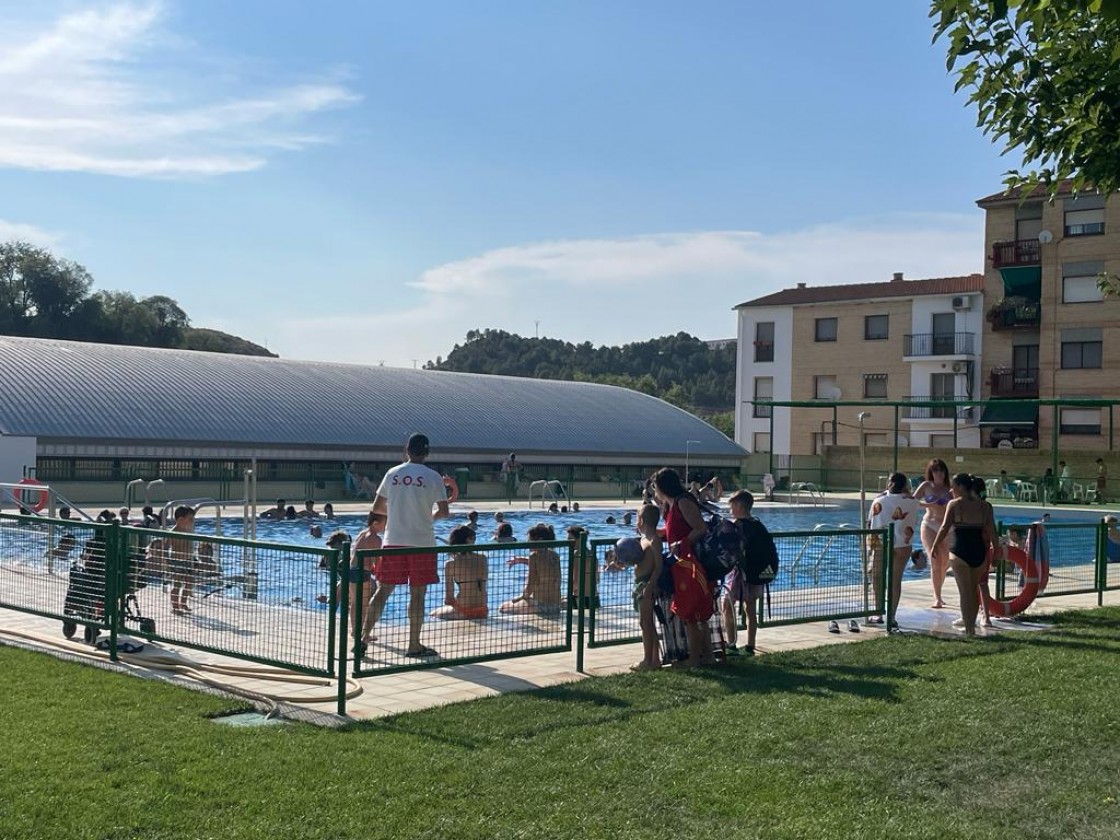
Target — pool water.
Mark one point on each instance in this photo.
(815, 561)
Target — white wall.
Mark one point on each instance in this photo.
(781, 370)
(16, 455)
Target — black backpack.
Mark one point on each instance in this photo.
(758, 561)
(720, 549)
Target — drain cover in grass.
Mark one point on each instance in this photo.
(247, 719)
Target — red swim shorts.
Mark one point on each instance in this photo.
(413, 569)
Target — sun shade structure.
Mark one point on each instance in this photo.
(103, 400)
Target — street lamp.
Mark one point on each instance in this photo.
(687, 444)
(863, 415)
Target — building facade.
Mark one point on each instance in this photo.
(1049, 332)
(913, 340)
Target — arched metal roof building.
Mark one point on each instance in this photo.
(94, 400)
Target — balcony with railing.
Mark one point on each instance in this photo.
(938, 344)
(1015, 254)
(762, 410)
(1014, 382)
(1015, 314)
(764, 351)
(925, 407)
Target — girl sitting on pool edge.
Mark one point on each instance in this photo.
(468, 571)
(542, 588)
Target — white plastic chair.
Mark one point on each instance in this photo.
(1078, 492)
(1028, 491)
(995, 488)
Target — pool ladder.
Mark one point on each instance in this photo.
(820, 557)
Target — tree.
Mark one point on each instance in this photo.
(1045, 77)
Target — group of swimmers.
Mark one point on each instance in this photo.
(284, 511)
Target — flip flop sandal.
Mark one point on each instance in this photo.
(424, 651)
(853, 626)
(833, 627)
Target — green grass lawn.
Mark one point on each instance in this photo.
(1017, 737)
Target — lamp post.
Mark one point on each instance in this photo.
(863, 415)
(687, 444)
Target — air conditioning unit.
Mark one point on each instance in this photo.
(962, 303)
(959, 367)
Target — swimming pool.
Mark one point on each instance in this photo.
(805, 561)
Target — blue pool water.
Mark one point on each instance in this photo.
(813, 561)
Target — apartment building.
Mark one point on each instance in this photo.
(914, 340)
(1048, 331)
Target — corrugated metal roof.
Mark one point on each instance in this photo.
(107, 393)
(868, 291)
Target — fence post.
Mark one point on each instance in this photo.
(1001, 567)
(1102, 561)
(114, 571)
(581, 565)
(888, 569)
(343, 584)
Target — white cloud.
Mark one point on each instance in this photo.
(108, 90)
(17, 231)
(612, 291)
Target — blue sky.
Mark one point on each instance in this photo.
(366, 181)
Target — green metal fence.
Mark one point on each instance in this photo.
(828, 575)
(291, 606)
(492, 601)
(611, 617)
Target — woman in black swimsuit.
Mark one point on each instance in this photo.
(973, 528)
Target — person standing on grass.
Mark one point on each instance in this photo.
(407, 495)
(646, 574)
(740, 590)
(692, 597)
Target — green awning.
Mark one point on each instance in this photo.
(1022, 281)
(1009, 414)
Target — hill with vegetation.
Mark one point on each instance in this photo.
(680, 369)
(44, 296)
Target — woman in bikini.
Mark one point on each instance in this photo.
(469, 572)
(933, 495)
(973, 528)
(542, 588)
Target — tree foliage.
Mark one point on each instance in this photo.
(1045, 78)
(44, 296)
(679, 369)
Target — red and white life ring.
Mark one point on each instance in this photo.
(1036, 574)
(452, 488)
(22, 497)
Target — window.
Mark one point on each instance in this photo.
(1081, 354)
(1080, 421)
(1028, 220)
(875, 386)
(761, 442)
(1081, 348)
(826, 329)
(763, 390)
(1079, 282)
(876, 327)
(1084, 215)
(1081, 290)
(764, 341)
(825, 388)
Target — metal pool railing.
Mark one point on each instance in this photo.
(492, 601)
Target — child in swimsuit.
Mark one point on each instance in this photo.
(645, 584)
(469, 572)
